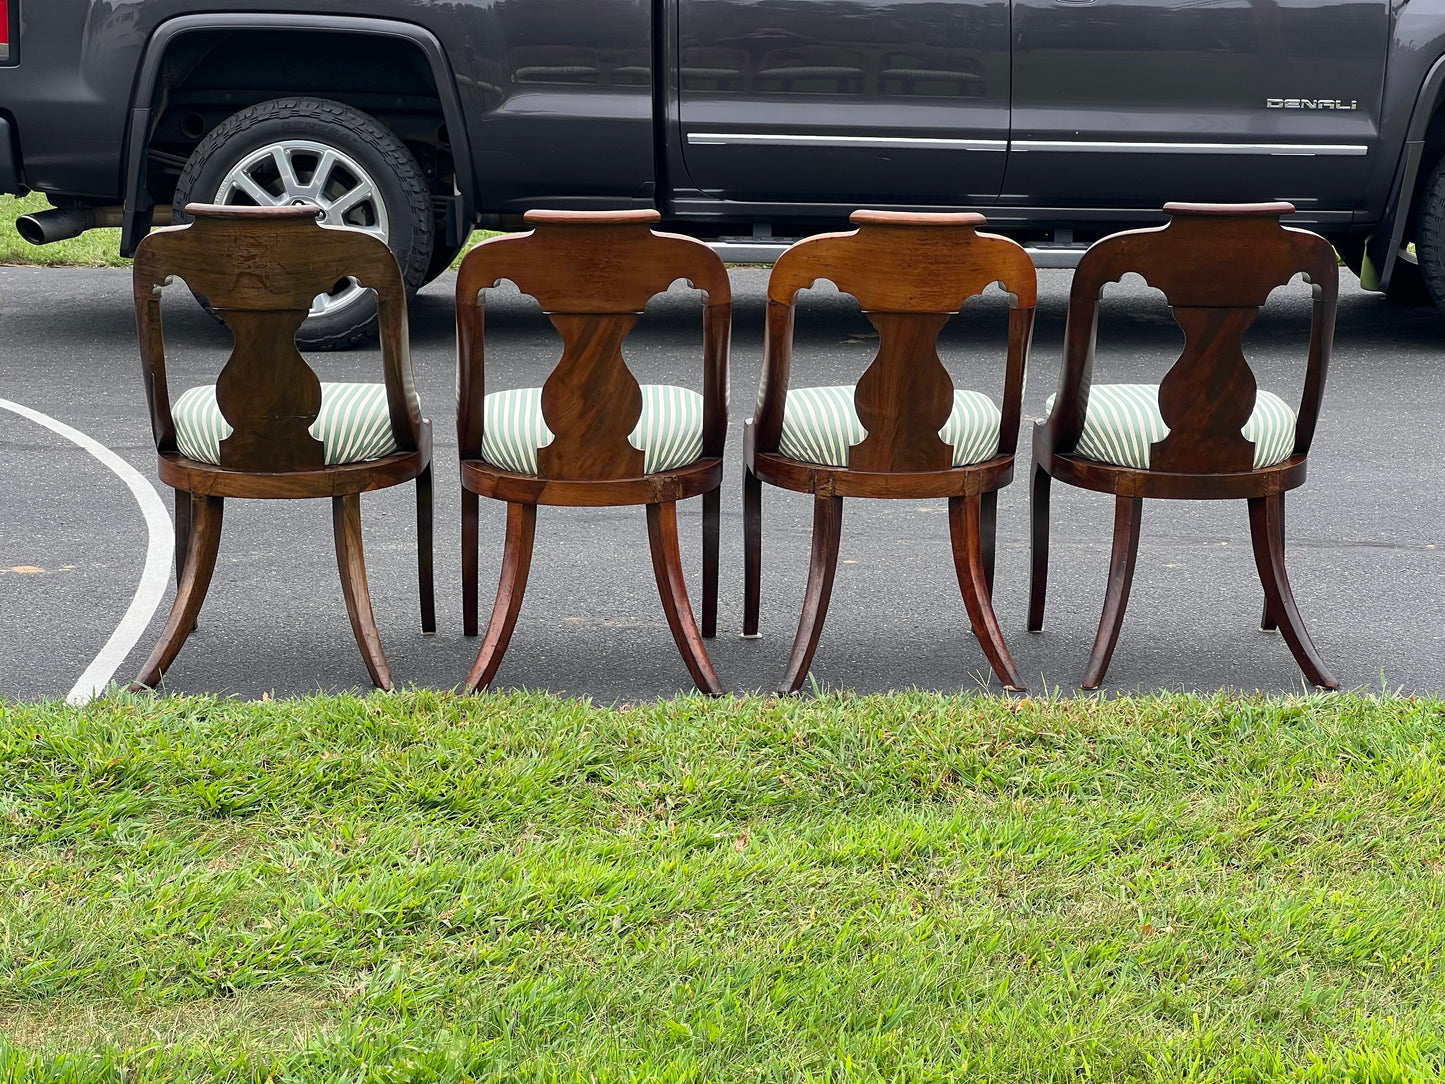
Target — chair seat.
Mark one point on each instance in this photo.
(354, 424)
(669, 433)
(821, 424)
(1123, 420)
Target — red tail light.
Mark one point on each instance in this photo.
(4, 31)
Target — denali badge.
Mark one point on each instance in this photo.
(1309, 103)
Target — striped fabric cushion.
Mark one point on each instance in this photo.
(1124, 419)
(821, 424)
(354, 424)
(669, 433)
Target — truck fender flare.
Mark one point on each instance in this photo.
(1383, 246)
(136, 218)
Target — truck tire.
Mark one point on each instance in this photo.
(1429, 243)
(289, 151)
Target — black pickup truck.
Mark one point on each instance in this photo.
(742, 121)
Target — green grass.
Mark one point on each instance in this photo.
(94, 248)
(419, 887)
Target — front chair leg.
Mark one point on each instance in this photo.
(965, 516)
(426, 581)
(516, 563)
(1128, 511)
(752, 551)
(988, 533)
(183, 536)
(1038, 547)
(351, 563)
(1266, 531)
(672, 587)
(822, 565)
(202, 543)
(1268, 621)
(183, 531)
(711, 542)
(470, 542)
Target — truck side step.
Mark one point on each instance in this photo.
(749, 250)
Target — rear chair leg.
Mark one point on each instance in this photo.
(1128, 511)
(203, 542)
(351, 562)
(516, 563)
(965, 532)
(672, 587)
(822, 565)
(1266, 531)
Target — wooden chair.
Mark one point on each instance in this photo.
(1203, 433)
(910, 273)
(592, 273)
(268, 427)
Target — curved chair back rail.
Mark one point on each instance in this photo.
(260, 269)
(910, 274)
(593, 275)
(1216, 265)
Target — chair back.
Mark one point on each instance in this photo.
(592, 272)
(1216, 264)
(260, 269)
(910, 274)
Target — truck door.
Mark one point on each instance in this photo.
(1129, 103)
(850, 102)
(562, 96)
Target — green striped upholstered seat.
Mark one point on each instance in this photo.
(1124, 419)
(669, 433)
(821, 424)
(354, 424)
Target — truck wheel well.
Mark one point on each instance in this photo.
(206, 76)
(1429, 159)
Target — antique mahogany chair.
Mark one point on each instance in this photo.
(269, 427)
(903, 431)
(591, 435)
(1205, 432)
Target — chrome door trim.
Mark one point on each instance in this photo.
(1064, 146)
(1342, 150)
(769, 139)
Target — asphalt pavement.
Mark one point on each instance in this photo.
(1363, 542)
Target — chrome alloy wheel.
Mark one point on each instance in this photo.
(300, 173)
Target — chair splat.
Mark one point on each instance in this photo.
(904, 397)
(1207, 396)
(591, 401)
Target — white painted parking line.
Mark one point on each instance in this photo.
(159, 551)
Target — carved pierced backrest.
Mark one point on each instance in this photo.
(261, 269)
(910, 274)
(1216, 264)
(593, 274)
